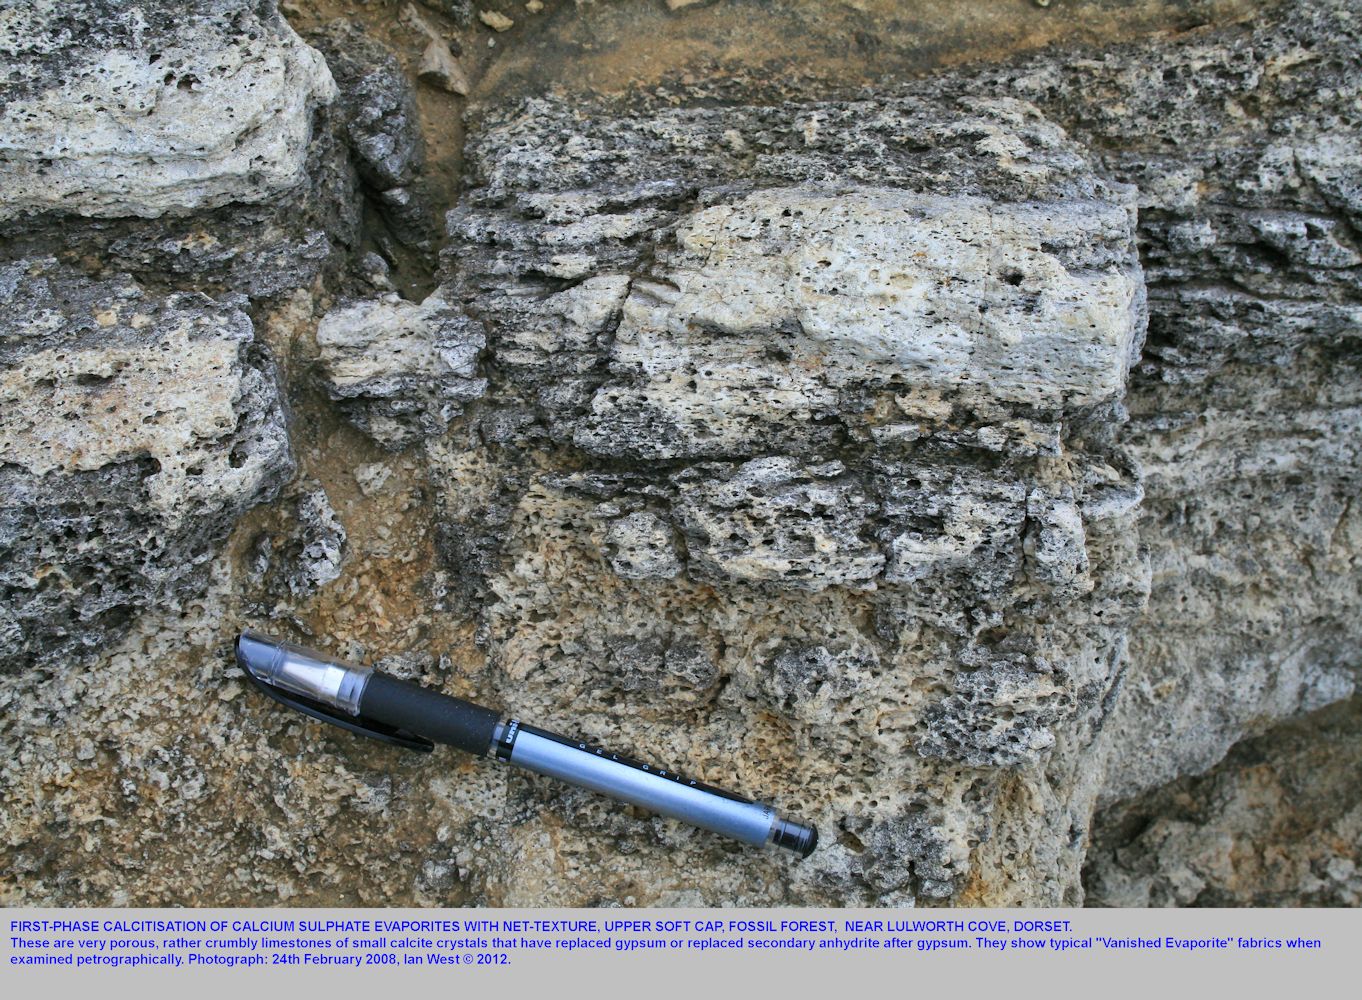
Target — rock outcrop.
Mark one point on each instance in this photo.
(135, 430)
(1276, 823)
(967, 464)
(879, 393)
(151, 154)
(1246, 407)
(162, 108)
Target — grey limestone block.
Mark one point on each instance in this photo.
(135, 429)
(376, 112)
(153, 109)
(840, 383)
(399, 369)
(189, 144)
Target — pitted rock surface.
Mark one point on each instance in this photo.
(965, 462)
(134, 431)
(400, 370)
(888, 382)
(162, 107)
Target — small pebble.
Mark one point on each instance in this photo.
(495, 20)
(371, 478)
(439, 67)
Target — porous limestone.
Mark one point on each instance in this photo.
(965, 463)
(1276, 823)
(134, 430)
(159, 108)
(1246, 406)
(770, 306)
(859, 406)
(308, 554)
(400, 370)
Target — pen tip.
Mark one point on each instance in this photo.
(798, 837)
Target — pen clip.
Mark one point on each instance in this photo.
(324, 713)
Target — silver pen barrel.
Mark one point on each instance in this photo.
(659, 790)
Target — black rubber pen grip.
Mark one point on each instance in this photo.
(428, 713)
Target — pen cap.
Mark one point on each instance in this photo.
(302, 671)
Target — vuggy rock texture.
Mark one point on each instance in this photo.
(1276, 823)
(379, 124)
(189, 144)
(877, 395)
(1246, 407)
(1244, 146)
(134, 431)
(301, 561)
(966, 463)
(157, 108)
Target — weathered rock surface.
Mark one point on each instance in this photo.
(400, 370)
(379, 121)
(150, 155)
(1247, 405)
(134, 430)
(887, 383)
(730, 332)
(307, 556)
(163, 107)
(769, 307)
(379, 113)
(190, 145)
(1278, 822)
(809, 442)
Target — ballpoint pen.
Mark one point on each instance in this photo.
(383, 707)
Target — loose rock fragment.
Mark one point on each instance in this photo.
(378, 108)
(400, 370)
(308, 553)
(438, 66)
(496, 20)
(370, 478)
(460, 11)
